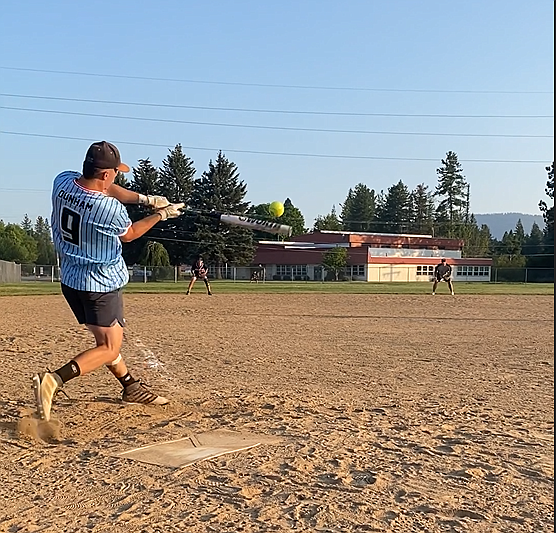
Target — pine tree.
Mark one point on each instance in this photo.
(292, 217)
(484, 241)
(121, 180)
(45, 246)
(476, 241)
(548, 216)
(423, 210)
(176, 176)
(396, 211)
(27, 225)
(145, 180)
(533, 247)
(261, 212)
(219, 189)
(176, 182)
(359, 209)
(519, 232)
(453, 192)
(329, 222)
(509, 252)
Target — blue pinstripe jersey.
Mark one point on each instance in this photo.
(86, 226)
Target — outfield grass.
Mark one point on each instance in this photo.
(230, 287)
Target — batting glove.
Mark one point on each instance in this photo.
(172, 211)
(154, 201)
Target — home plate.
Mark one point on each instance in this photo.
(184, 452)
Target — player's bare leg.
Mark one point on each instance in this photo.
(207, 285)
(107, 352)
(109, 342)
(191, 283)
(46, 385)
(434, 285)
(134, 391)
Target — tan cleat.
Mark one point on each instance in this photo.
(138, 393)
(45, 387)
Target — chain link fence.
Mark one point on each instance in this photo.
(15, 273)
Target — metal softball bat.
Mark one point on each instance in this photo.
(244, 222)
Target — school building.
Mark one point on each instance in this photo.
(372, 257)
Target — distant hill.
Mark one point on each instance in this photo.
(499, 223)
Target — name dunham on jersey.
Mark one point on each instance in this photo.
(74, 201)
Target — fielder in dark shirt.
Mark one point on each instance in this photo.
(199, 271)
(443, 272)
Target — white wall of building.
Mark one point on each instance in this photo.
(388, 273)
(408, 252)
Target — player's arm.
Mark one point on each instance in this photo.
(131, 197)
(140, 227)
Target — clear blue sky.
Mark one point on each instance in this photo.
(372, 76)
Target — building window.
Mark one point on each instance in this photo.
(355, 270)
(426, 270)
(472, 270)
(291, 271)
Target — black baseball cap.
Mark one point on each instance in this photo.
(103, 155)
(443, 260)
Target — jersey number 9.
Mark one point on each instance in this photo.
(70, 225)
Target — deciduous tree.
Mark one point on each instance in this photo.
(16, 245)
(335, 261)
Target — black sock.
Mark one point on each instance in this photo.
(68, 371)
(126, 380)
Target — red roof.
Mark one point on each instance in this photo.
(378, 239)
(277, 254)
(357, 245)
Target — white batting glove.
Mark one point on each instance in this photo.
(171, 211)
(154, 201)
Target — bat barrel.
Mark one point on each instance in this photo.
(245, 222)
(256, 224)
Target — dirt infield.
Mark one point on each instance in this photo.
(391, 414)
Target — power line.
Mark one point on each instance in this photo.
(288, 154)
(268, 111)
(274, 128)
(25, 190)
(266, 85)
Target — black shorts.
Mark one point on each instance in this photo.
(199, 274)
(104, 309)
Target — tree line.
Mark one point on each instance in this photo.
(443, 212)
